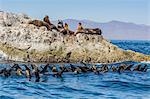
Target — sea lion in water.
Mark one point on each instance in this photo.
(137, 68)
(104, 68)
(113, 68)
(6, 72)
(36, 72)
(77, 70)
(27, 72)
(45, 69)
(144, 69)
(59, 74)
(95, 69)
(128, 68)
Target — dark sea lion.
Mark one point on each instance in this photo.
(95, 69)
(59, 74)
(128, 68)
(45, 69)
(77, 70)
(36, 72)
(65, 68)
(93, 31)
(137, 68)
(104, 68)
(52, 26)
(144, 69)
(72, 67)
(27, 72)
(121, 68)
(84, 69)
(113, 68)
(6, 72)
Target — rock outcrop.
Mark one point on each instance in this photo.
(20, 41)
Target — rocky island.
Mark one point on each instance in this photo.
(20, 41)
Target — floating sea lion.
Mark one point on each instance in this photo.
(137, 68)
(45, 69)
(27, 72)
(72, 67)
(144, 69)
(113, 68)
(36, 72)
(95, 69)
(54, 69)
(77, 70)
(59, 74)
(5, 72)
(104, 68)
(84, 69)
(128, 68)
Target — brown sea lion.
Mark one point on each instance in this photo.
(52, 26)
(40, 23)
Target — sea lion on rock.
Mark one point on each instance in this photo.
(52, 26)
(40, 23)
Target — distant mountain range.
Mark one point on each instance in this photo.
(115, 29)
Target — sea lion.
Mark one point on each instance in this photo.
(72, 67)
(122, 67)
(52, 26)
(84, 69)
(45, 69)
(137, 68)
(19, 71)
(128, 68)
(95, 69)
(144, 69)
(77, 70)
(113, 68)
(65, 69)
(27, 72)
(6, 72)
(59, 74)
(54, 69)
(40, 23)
(60, 25)
(36, 72)
(93, 31)
(104, 68)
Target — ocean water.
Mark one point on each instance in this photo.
(126, 85)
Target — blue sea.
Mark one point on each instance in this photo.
(110, 85)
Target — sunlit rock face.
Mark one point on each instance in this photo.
(20, 41)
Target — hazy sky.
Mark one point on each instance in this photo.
(136, 11)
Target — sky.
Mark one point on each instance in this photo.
(135, 11)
